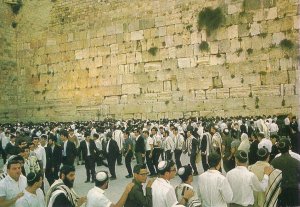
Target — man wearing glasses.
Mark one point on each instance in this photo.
(136, 197)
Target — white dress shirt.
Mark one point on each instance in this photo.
(179, 141)
(4, 140)
(149, 142)
(163, 193)
(32, 200)
(214, 189)
(169, 143)
(9, 188)
(88, 148)
(41, 155)
(65, 148)
(243, 183)
(96, 197)
(293, 155)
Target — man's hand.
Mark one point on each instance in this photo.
(143, 155)
(149, 183)
(188, 193)
(81, 201)
(268, 170)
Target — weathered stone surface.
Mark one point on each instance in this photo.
(79, 62)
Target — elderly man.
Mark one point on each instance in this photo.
(13, 185)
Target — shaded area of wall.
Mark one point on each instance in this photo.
(81, 60)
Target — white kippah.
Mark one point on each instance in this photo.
(101, 176)
(162, 165)
(181, 171)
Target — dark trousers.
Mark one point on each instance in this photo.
(111, 161)
(139, 158)
(150, 163)
(128, 159)
(67, 161)
(168, 155)
(90, 167)
(177, 154)
(155, 157)
(100, 159)
(289, 197)
(4, 156)
(51, 174)
(204, 163)
(119, 158)
(193, 162)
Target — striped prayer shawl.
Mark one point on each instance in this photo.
(273, 190)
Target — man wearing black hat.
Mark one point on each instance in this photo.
(290, 168)
(53, 157)
(89, 154)
(136, 197)
(96, 197)
(243, 182)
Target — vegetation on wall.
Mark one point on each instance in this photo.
(203, 46)
(210, 18)
(15, 8)
(286, 44)
(153, 50)
(7, 64)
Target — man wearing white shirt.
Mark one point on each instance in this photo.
(33, 195)
(96, 197)
(12, 186)
(163, 193)
(179, 142)
(243, 182)
(273, 128)
(214, 188)
(169, 145)
(4, 137)
(149, 153)
(40, 153)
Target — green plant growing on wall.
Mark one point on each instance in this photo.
(286, 44)
(256, 102)
(239, 51)
(14, 24)
(203, 46)
(210, 18)
(283, 102)
(153, 51)
(167, 102)
(15, 8)
(249, 51)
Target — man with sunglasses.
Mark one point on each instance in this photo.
(136, 197)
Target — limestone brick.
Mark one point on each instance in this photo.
(184, 62)
(233, 31)
(271, 13)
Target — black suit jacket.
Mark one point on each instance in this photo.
(53, 158)
(93, 149)
(113, 149)
(140, 145)
(71, 152)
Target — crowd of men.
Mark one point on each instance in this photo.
(247, 161)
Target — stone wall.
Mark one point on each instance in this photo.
(91, 59)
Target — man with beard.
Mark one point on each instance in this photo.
(61, 192)
(96, 197)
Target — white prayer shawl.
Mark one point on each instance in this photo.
(56, 189)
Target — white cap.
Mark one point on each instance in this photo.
(265, 143)
(101, 176)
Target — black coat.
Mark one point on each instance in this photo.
(53, 158)
(140, 145)
(93, 149)
(113, 149)
(71, 152)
